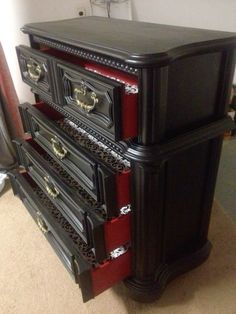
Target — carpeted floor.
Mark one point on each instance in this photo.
(33, 281)
(226, 181)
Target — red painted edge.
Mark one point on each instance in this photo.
(108, 274)
(123, 187)
(129, 115)
(117, 232)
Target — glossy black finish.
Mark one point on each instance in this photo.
(172, 198)
(184, 77)
(136, 43)
(175, 99)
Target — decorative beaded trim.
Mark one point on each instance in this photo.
(129, 89)
(99, 149)
(104, 147)
(119, 148)
(85, 54)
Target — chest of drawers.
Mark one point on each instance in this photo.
(119, 163)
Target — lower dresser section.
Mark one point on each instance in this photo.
(87, 216)
(79, 259)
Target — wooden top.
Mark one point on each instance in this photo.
(136, 43)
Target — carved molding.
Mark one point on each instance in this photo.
(86, 55)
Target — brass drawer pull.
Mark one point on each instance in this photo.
(51, 190)
(58, 149)
(83, 104)
(34, 70)
(41, 223)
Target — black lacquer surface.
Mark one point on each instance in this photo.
(184, 78)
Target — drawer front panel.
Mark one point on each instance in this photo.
(93, 278)
(96, 99)
(96, 170)
(36, 70)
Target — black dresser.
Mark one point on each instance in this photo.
(121, 151)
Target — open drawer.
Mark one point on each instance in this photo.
(92, 277)
(103, 97)
(100, 171)
(84, 214)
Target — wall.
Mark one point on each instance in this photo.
(15, 13)
(210, 14)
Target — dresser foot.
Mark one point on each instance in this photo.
(149, 291)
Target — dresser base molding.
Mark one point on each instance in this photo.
(149, 291)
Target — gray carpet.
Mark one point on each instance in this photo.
(226, 182)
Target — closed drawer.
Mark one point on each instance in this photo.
(92, 277)
(84, 214)
(36, 70)
(101, 172)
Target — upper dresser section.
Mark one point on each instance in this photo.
(134, 43)
(125, 79)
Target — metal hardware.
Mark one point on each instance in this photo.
(34, 70)
(125, 210)
(58, 149)
(41, 223)
(83, 91)
(51, 190)
(76, 266)
(118, 252)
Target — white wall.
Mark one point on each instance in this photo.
(15, 13)
(209, 14)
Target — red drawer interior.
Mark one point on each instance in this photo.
(117, 232)
(111, 272)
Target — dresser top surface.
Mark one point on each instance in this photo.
(136, 43)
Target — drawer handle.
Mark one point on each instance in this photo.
(41, 223)
(51, 190)
(82, 104)
(34, 70)
(58, 149)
